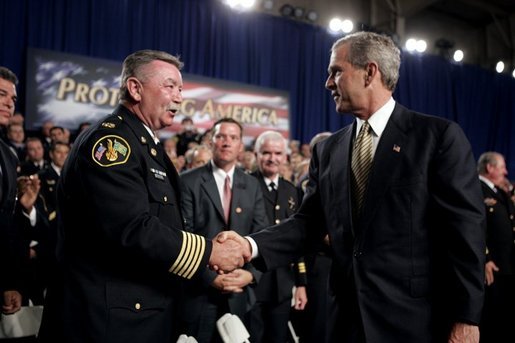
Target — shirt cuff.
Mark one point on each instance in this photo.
(255, 251)
(31, 216)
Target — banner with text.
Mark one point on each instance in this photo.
(71, 89)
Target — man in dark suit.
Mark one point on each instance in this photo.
(121, 246)
(10, 284)
(402, 205)
(499, 311)
(217, 197)
(35, 157)
(274, 291)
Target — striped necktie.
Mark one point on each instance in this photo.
(361, 162)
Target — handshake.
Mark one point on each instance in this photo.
(230, 251)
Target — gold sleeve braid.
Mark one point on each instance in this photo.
(302, 267)
(192, 251)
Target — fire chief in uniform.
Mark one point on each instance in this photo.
(121, 247)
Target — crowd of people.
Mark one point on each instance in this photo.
(385, 231)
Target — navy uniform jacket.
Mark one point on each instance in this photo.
(500, 230)
(10, 241)
(120, 245)
(204, 216)
(276, 285)
(416, 256)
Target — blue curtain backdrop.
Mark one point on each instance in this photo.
(257, 49)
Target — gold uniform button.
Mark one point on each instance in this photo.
(238, 210)
(511, 216)
(491, 209)
(153, 152)
(277, 207)
(137, 306)
(143, 140)
(165, 198)
(277, 221)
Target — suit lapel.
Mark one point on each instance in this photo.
(209, 186)
(238, 193)
(387, 158)
(340, 176)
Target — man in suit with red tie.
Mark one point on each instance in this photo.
(499, 311)
(219, 196)
(398, 194)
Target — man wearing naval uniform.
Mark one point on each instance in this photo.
(274, 291)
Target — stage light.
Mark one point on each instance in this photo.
(286, 10)
(312, 16)
(268, 4)
(458, 55)
(247, 4)
(347, 26)
(298, 12)
(335, 25)
(421, 45)
(411, 44)
(499, 67)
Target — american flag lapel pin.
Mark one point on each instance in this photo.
(396, 148)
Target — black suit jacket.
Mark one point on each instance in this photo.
(120, 243)
(276, 285)
(500, 229)
(203, 213)
(416, 257)
(10, 240)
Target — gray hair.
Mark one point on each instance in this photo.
(365, 47)
(135, 61)
(268, 136)
(487, 158)
(8, 75)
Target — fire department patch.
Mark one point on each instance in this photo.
(110, 150)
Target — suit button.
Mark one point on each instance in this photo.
(165, 198)
(137, 306)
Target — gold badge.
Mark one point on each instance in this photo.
(291, 203)
(490, 201)
(110, 150)
(108, 125)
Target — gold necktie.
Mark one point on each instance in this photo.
(361, 162)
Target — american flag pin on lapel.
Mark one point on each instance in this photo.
(396, 148)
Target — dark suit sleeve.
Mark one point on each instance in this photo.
(284, 243)
(456, 195)
(259, 222)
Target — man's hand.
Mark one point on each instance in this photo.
(233, 282)
(247, 249)
(300, 297)
(464, 333)
(490, 268)
(229, 251)
(28, 190)
(12, 302)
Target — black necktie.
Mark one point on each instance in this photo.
(273, 190)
